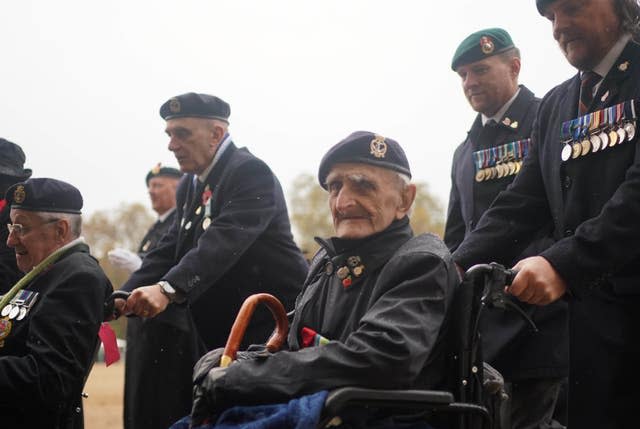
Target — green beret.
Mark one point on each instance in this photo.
(192, 105)
(542, 4)
(160, 171)
(480, 45)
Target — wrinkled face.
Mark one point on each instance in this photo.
(162, 191)
(364, 199)
(584, 29)
(193, 141)
(36, 240)
(489, 83)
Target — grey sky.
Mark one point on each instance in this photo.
(82, 81)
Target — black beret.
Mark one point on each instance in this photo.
(192, 105)
(160, 171)
(542, 4)
(480, 45)
(45, 195)
(12, 160)
(366, 148)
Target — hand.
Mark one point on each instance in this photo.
(146, 301)
(125, 259)
(537, 282)
(118, 310)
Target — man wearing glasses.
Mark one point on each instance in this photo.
(49, 320)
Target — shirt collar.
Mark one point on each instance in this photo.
(166, 214)
(500, 113)
(609, 60)
(224, 145)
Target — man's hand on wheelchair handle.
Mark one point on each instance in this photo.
(537, 282)
(146, 301)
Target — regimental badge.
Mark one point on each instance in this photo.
(514, 125)
(155, 170)
(486, 45)
(623, 66)
(506, 121)
(174, 105)
(146, 246)
(19, 194)
(378, 147)
(342, 272)
(5, 329)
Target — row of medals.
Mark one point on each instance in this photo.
(599, 140)
(508, 168)
(14, 311)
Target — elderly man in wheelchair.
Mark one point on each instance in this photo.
(374, 308)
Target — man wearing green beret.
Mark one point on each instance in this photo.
(583, 174)
(533, 364)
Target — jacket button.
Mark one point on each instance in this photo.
(568, 232)
(567, 182)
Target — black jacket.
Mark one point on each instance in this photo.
(594, 204)
(46, 356)
(508, 342)
(385, 329)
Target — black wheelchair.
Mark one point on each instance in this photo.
(467, 404)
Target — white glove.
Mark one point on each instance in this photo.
(125, 259)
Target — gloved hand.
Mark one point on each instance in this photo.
(211, 360)
(125, 259)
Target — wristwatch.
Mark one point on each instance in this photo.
(168, 291)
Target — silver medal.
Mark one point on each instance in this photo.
(566, 152)
(23, 312)
(6, 310)
(14, 312)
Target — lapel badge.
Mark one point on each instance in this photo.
(623, 66)
(188, 226)
(146, 246)
(353, 261)
(486, 45)
(198, 210)
(378, 147)
(19, 194)
(605, 95)
(206, 222)
(514, 125)
(506, 121)
(342, 273)
(357, 271)
(174, 105)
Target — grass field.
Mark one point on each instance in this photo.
(105, 387)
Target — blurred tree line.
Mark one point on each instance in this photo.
(126, 225)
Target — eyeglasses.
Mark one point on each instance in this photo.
(21, 230)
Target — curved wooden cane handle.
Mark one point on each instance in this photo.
(239, 327)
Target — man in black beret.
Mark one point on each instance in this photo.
(582, 174)
(534, 365)
(372, 310)
(12, 171)
(49, 320)
(145, 356)
(231, 239)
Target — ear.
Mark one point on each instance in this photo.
(62, 230)
(515, 65)
(408, 196)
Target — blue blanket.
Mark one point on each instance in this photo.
(299, 413)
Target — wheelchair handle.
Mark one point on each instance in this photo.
(239, 327)
(109, 304)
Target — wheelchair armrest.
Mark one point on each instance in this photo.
(338, 399)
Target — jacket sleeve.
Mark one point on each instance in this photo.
(455, 226)
(512, 221)
(393, 341)
(250, 204)
(61, 342)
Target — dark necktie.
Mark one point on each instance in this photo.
(588, 81)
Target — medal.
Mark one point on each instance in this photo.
(595, 143)
(198, 210)
(14, 312)
(622, 134)
(566, 152)
(6, 310)
(630, 129)
(586, 146)
(576, 150)
(22, 313)
(479, 175)
(342, 272)
(206, 222)
(613, 138)
(187, 226)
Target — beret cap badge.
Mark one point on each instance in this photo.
(19, 194)
(378, 146)
(486, 45)
(155, 170)
(174, 105)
